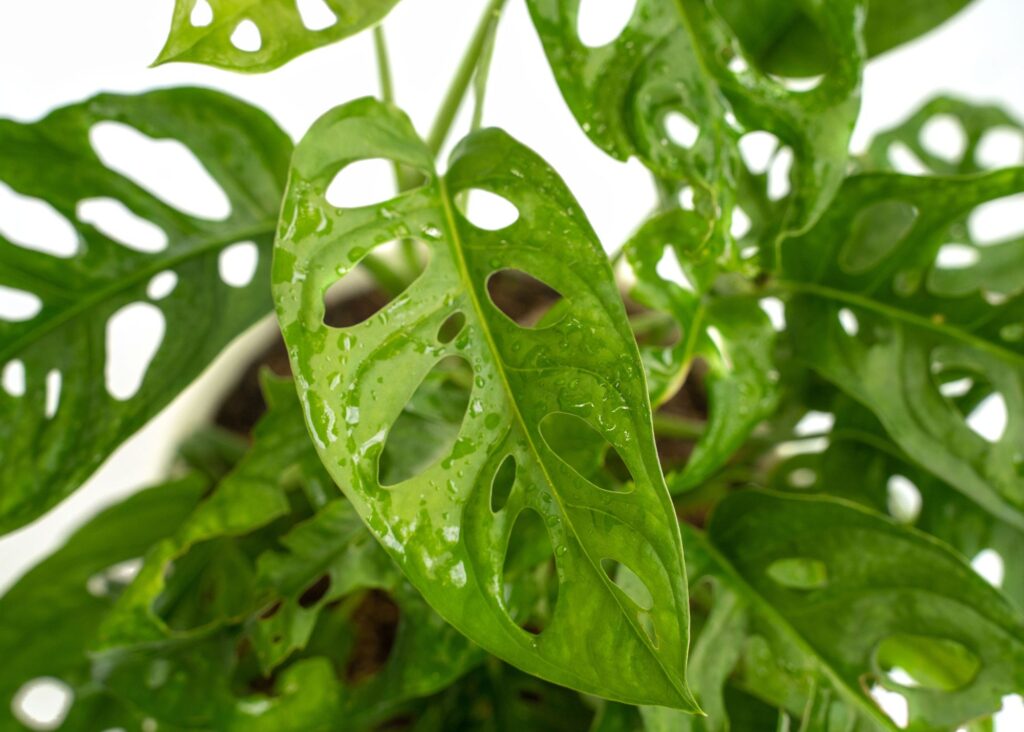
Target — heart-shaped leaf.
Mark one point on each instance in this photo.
(260, 35)
(526, 389)
(60, 413)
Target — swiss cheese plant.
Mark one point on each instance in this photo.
(732, 476)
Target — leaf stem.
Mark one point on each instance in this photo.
(677, 427)
(463, 76)
(402, 179)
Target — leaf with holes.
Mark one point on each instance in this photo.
(874, 314)
(676, 89)
(439, 524)
(731, 334)
(949, 136)
(862, 464)
(124, 258)
(49, 617)
(260, 35)
(840, 600)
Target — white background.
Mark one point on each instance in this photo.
(54, 52)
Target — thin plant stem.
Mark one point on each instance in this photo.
(483, 71)
(463, 76)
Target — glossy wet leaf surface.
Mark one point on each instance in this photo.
(273, 32)
(439, 525)
(683, 58)
(60, 423)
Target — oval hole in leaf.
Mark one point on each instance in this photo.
(13, 378)
(931, 663)
(34, 224)
(342, 309)
(681, 129)
(522, 298)
(134, 335)
(998, 220)
(585, 450)
(989, 564)
(780, 174)
(375, 621)
(43, 703)
(237, 263)
(956, 256)
(451, 327)
(247, 37)
(529, 578)
(894, 704)
(943, 136)
(1000, 147)
(989, 418)
(426, 430)
(18, 306)
(486, 210)
(669, 269)
(904, 160)
(757, 149)
(162, 285)
(118, 222)
(629, 582)
(803, 478)
(741, 223)
(599, 22)
(316, 15)
(849, 321)
(202, 14)
(798, 573)
(315, 592)
(362, 183)
(167, 169)
(54, 384)
(501, 486)
(875, 232)
(903, 498)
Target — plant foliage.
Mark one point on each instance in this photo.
(467, 506)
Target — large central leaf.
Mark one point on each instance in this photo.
(531, 390)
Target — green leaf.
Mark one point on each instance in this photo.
(64, 422)
(885, 593)
(679, 57)
(731, 334)
(783, 37)
(878, 316)
(282, 32)
(49, 617)
(861, 464)
(975, 122)
(250, 497)
(439, 525)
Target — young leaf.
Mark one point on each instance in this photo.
(679, 60)
(439, 525)
(260, 35)
(66, 414)
(732, 335)
(879, 316)
(836, 597)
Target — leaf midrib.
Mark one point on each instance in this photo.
(517, 415)
(762, 605)
(868, 303)
(125, 283)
